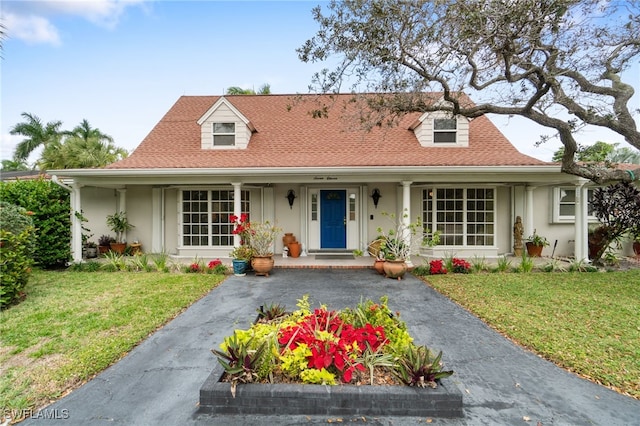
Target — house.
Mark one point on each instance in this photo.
(327, 181)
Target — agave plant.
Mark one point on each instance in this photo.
(417, 367)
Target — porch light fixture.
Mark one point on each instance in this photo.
(376, 197)
(291, 196)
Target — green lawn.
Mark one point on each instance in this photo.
(588, 323)
(75, 324)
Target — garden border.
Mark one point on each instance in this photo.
(271, 399)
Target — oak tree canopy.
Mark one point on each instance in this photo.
(559, 63)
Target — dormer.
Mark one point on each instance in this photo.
(440, 129)
(224, 127)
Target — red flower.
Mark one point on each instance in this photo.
(214, 263)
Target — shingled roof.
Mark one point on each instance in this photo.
(289, 136)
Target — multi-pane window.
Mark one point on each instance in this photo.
(444, 130)
(206, 217)
(224, 134)
(463, 216)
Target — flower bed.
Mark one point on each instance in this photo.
(291, 359)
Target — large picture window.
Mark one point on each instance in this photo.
(206, 217)
(463, 216)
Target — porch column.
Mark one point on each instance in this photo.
(76, 223)
(237, 207)
(157, 220)
(405, 215)
(581, 223)
(122, 207)
(528, 219)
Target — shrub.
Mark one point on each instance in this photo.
(17, 243)
(460, 266)
(436, 267)
(50, 206)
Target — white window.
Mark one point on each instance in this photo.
(463, 216)
(224, 134)
(445, 130)
(564, 204)
(206, 217)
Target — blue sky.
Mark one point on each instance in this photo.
(122, 64)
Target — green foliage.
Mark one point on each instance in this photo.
(421, 270)
(318, 377)
(119, 224)
(15, 264)
(503, 265)
(271, 311)
(294, 362)
(617, 208)
(50, 206)
(538, 240)
(479, 264)
(418, 367)
(526, 264)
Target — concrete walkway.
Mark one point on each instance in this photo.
(502, 384)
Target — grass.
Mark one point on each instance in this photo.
(73, 325)
(587, 323)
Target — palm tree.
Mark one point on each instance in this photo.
(14, 166)
(265, 89)
(36, 134)
(85, 132)
(79, 153)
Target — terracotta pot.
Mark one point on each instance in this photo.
(294, 249)
(103, 249)
(118, 247)
(288, 239)
(534, 250)
(262, 265)
(395, 268)
(636, 248)
(378, 265)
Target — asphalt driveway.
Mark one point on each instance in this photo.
(158, 383)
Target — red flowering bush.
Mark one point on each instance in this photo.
(242, 227)
(335, 345)
(460, 266)
(214, 263)
(436, 267)
(194, 267)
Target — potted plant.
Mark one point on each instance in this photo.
(398, 243)
(241, 256)
(104, 243)
(261, 238)
(119, 224)
(92, 249)
(535, 244)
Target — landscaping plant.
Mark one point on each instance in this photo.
(324, 346)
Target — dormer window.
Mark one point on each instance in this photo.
(224, 134)
(445, 130)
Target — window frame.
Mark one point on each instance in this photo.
(211, 226)
(442, 131)
(430, 215)
(556, 202)
(214, 134)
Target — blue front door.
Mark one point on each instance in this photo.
(333, 219)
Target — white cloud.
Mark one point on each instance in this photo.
(32, 21)
(31, 29)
